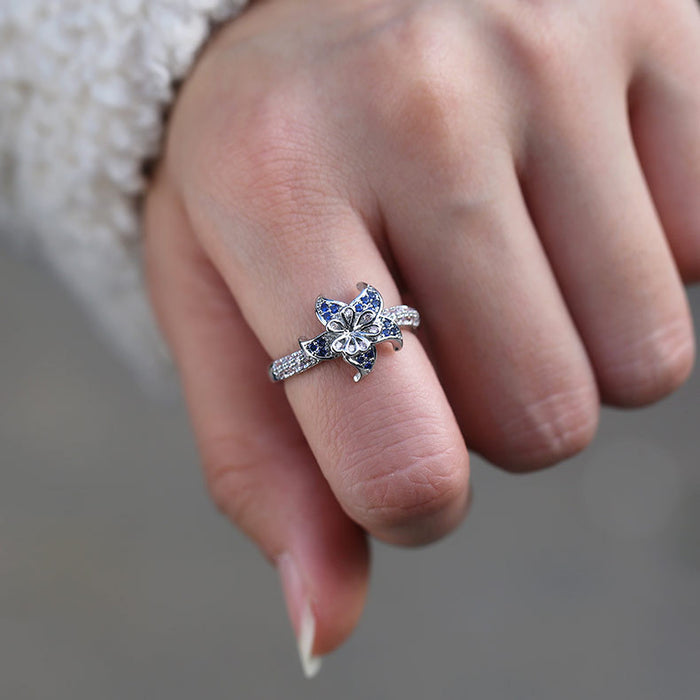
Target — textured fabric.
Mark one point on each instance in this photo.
(83, 89)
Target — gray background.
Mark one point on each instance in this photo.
(119, 580)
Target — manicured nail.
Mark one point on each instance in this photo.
(300, 613)
(307, 633)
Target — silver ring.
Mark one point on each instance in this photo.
(352, 332)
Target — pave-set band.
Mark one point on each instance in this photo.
(352, 332)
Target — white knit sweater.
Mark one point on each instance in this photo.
(83, 89)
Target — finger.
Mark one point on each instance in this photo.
(388, 445)
(508, 354)
(601, 232)
(665, 118)
(258, 467)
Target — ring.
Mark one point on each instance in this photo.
(352, 332)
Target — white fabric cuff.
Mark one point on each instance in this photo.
(83, 89)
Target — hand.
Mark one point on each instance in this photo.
(525, 173)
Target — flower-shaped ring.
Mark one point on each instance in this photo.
(352, 332)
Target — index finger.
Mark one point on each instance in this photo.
(389, 445)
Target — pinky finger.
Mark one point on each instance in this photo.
(257, 465)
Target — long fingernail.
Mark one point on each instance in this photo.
(300, 613)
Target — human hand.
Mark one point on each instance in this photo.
(526, 173)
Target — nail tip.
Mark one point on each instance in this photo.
(310, 664)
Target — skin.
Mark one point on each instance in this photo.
(526, 173)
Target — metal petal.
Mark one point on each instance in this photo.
(338, 344)
(363, 361)
(364, 318)
(371, 330)
(326, 309)
(351, 346)
(347, 316)
(363, 343)
(336, 325)
(319, 347)
(368, 300)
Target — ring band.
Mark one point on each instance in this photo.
(352, 332)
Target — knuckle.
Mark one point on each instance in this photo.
(230, 465)
(539, 41)
(271, 174)
(276, 163)
(422, 491)
(417, 33)
(550, 429)
(266, 154)
(402, 477)
(651, 367)
(430, 117)
(425, 122)
(414, 94)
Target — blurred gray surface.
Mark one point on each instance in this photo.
(119, 580)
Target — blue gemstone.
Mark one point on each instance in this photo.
(358, 307)
(368, 365)
(326, 316)
(334, 308)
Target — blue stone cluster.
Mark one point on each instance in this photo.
(365, 359)
(368, 300)
(320, 347)
(389, 328)
(328, 310)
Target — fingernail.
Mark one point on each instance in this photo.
(305, 642)
(300, 613)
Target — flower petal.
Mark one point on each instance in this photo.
(351, 345)
(363, 343)
(338, 345)
(371, 330)
(348, 317)
(389, 331)
(336, 325)
(326, 309)
(368, 300)
(319, 347)
(363, 361)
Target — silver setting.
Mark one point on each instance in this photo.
(352, 331)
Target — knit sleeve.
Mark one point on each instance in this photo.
(83, 90)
